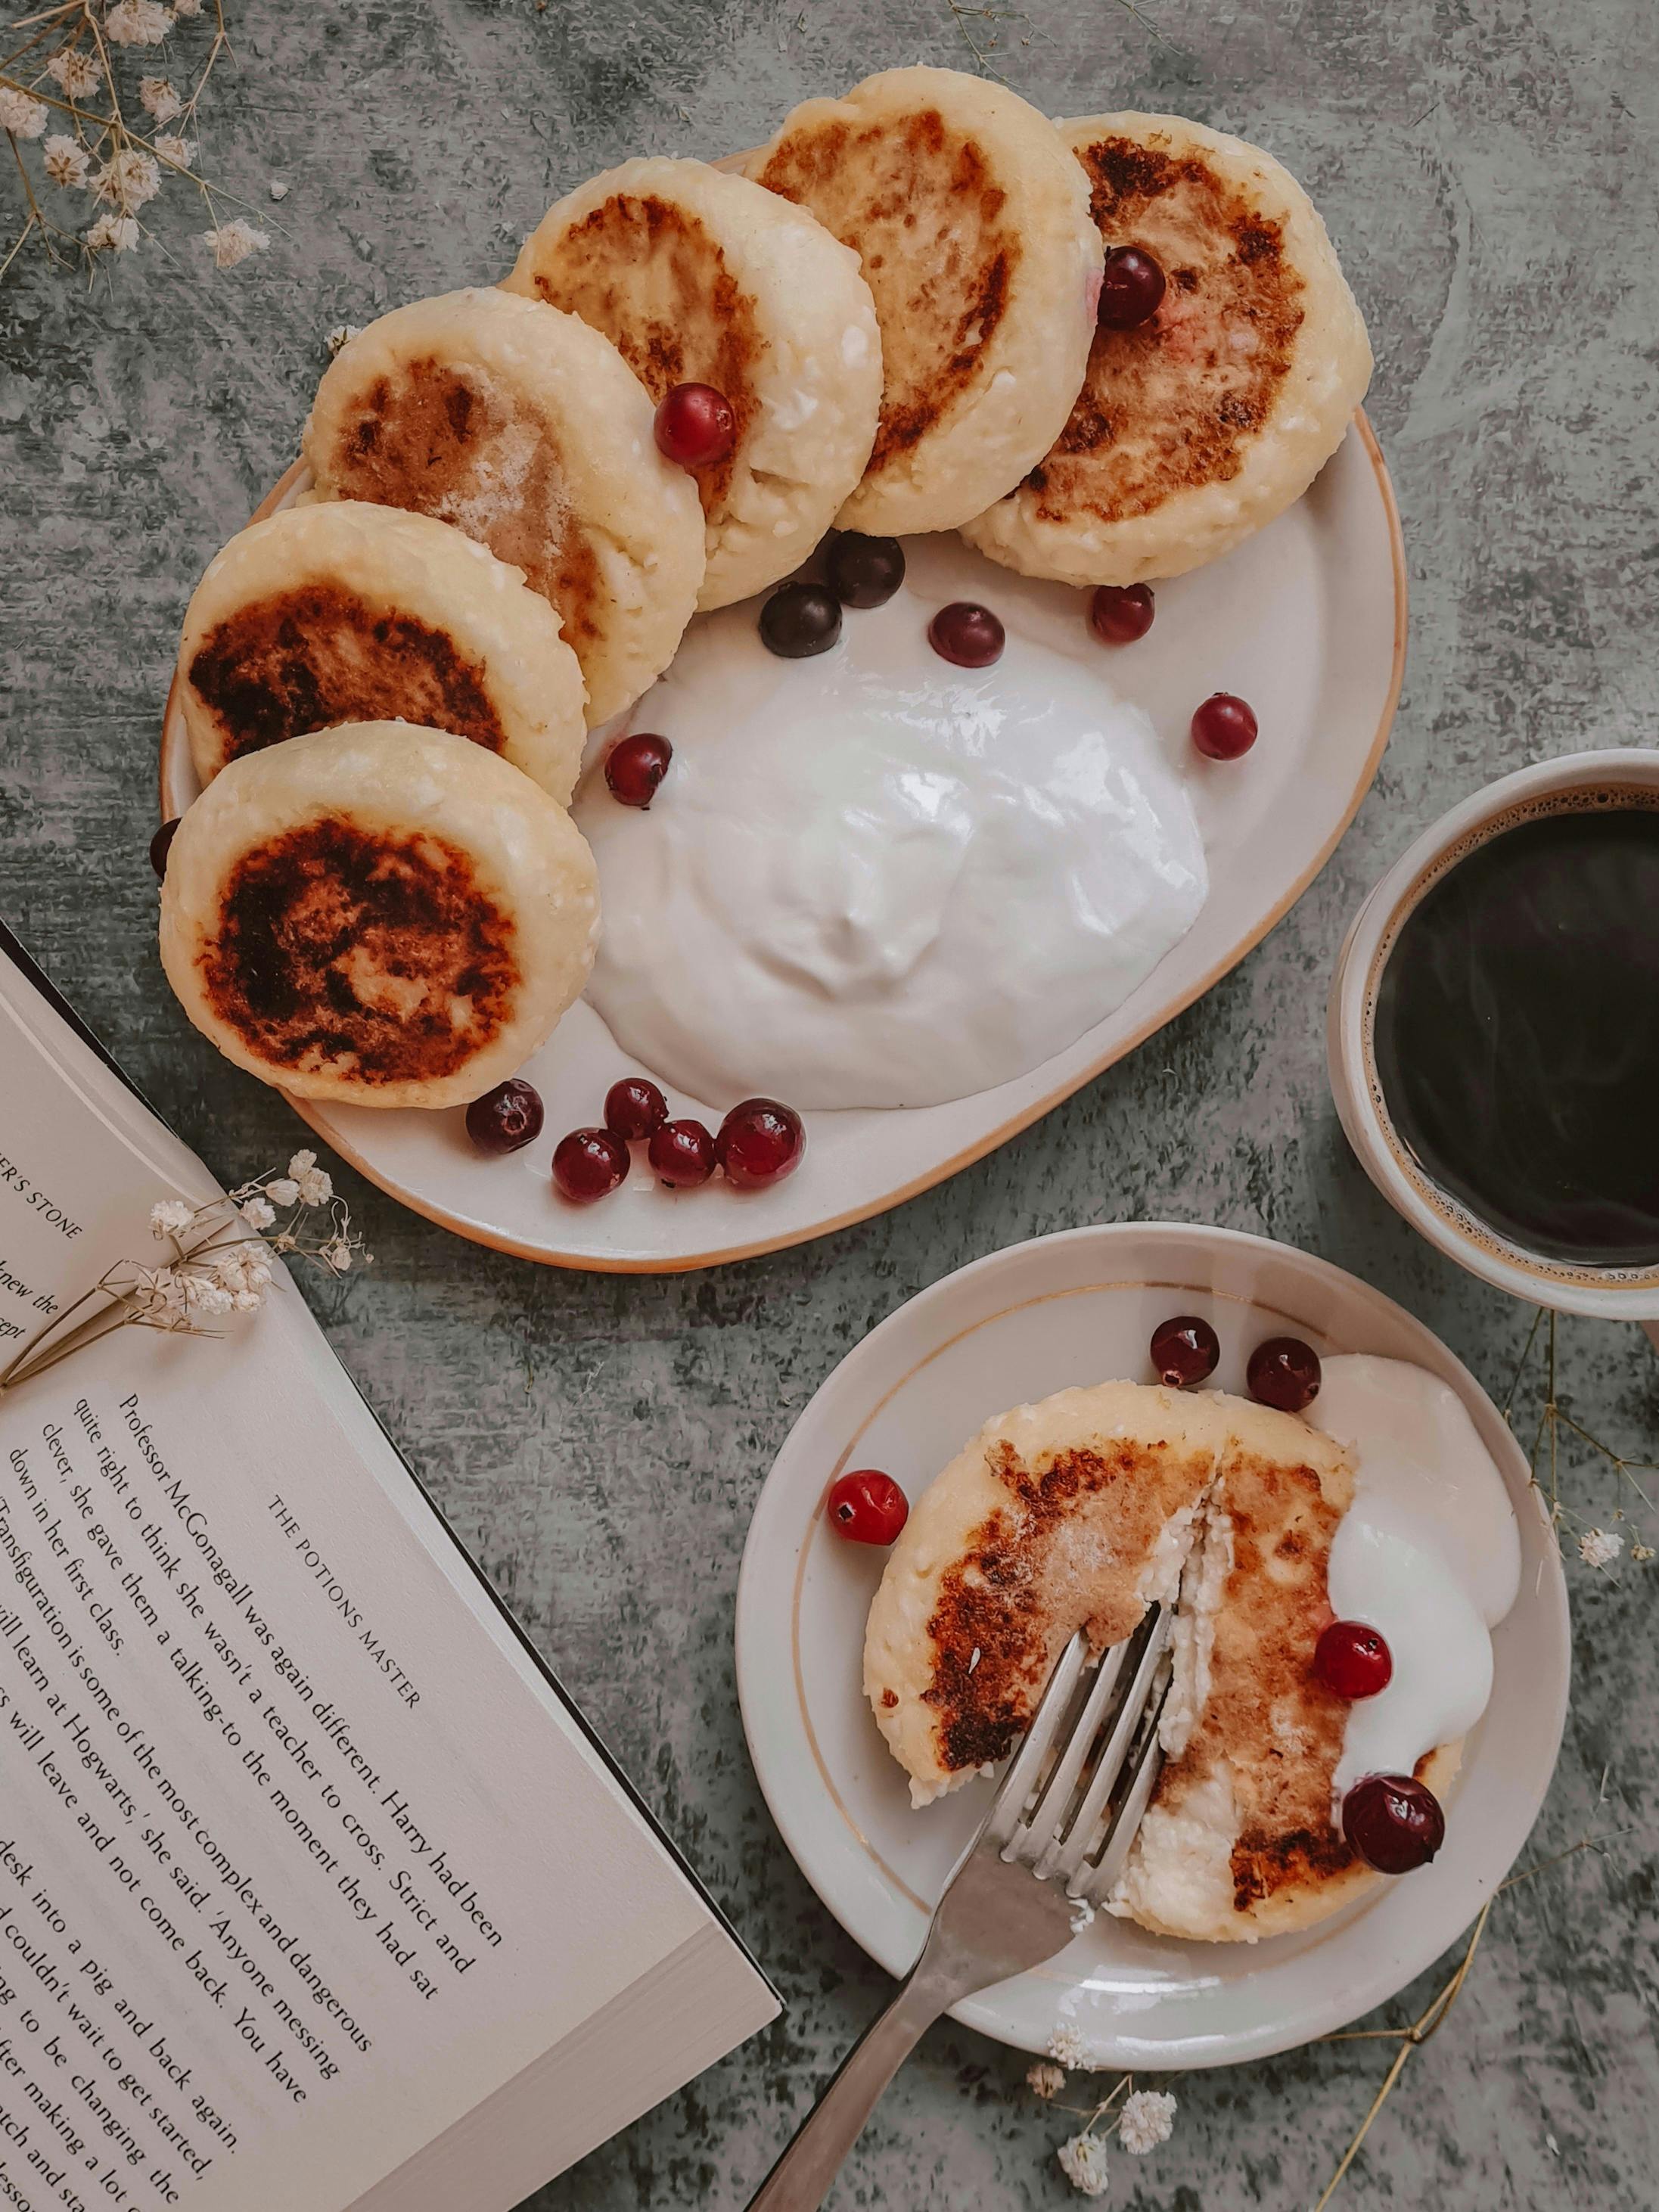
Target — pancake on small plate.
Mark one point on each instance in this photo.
(379, 914)
(1200, 424)
(972, 224)
(699, 276)
(528, 430)
(343, 612)
(1081, 1511)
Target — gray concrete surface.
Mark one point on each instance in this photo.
(1486, 168)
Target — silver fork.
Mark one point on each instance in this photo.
(1066, 1811)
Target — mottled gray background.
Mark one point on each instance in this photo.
(1487, 169)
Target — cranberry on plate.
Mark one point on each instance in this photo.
(681, 1154)
(506, 1119)
(588, 1164)
(1120, 613)
(635, 1107)
(1393, 1822)
(1285, 1372)
(694, 426)
(800, 620)
(1224, 727)
(1353, 1659)
(1184, 1350)
(635, 765)
(868, 1507)
(969, 634)
(1131, 290)
(760, 1142)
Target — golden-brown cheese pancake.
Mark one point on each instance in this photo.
(343, 612)
(379, 914)
(699, 276)
(1196, 428)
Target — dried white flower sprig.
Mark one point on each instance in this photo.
(1557, 1433)
(220, 1265)
(74, 54)
(1144, 2119)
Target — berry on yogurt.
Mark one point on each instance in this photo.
(968, 634)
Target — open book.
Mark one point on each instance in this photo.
(314, 1889)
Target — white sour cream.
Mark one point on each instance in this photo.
(1428, 1553)
(872, 879)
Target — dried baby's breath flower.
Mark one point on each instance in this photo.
(1598, 1547)
(313, 1183)
(113, 233)
(258, 1212)
(1044, 2079)
(76, 71)
(138, 23)
(129, 179)
(231, 242)
(180, 153)
(1083, 2161)
(279, 188)
(1067, 2046)
(169, 1215)
(1641, 1553)
(160, 99)
(64, 160)
(22, 114)
(342, 334)
(1146, 2120)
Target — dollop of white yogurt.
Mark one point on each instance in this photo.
(873, 879)
(1429, 1553)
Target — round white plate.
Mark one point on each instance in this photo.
(1307, 620)
(1072, 1309)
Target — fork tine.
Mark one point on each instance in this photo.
(1079, 1838)
(1040, 1835)
(1021, 1776)
(1099, 1879)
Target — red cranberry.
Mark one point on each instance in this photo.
(1224, 727)
(634, 1108)
(969, 635)
(1283, 1371)
(1353, 1660)
(587, 1164)
(1131, 288)
(694, 426)
(868, 1507)
(159, 846)
(799, 620)
(681, 1154)
(506, 1118)
(1184, 1350)
(634, 766)
(864, 572)
(1120, 613)
(761, 1141)
(1393, 1822)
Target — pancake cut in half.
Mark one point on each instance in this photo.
(341, 612)
(527, 430)
(1081, 1511)
(972, 225)
(1201, 425)
(698, 276)
(379, 914)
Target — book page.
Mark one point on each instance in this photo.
(296, 1867)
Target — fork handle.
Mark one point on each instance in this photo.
(801, 2179)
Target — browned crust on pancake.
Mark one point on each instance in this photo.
(997, 1601)
(717, 340)
(376, 955)
(320, 655)
(1171, 405)
(430, 439)
(943, 306)
(1269, 1715)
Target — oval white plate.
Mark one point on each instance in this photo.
(1307, 620)
(1080, 1308)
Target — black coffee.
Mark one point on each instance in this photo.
(1517, 1035)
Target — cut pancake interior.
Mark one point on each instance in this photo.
(527, 430)
(972, 224)
(698, 276)
(1081, 1511)
(343, 612)
(379, 914)
(1200, 424)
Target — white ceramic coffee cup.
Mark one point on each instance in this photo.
(1578, 780)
